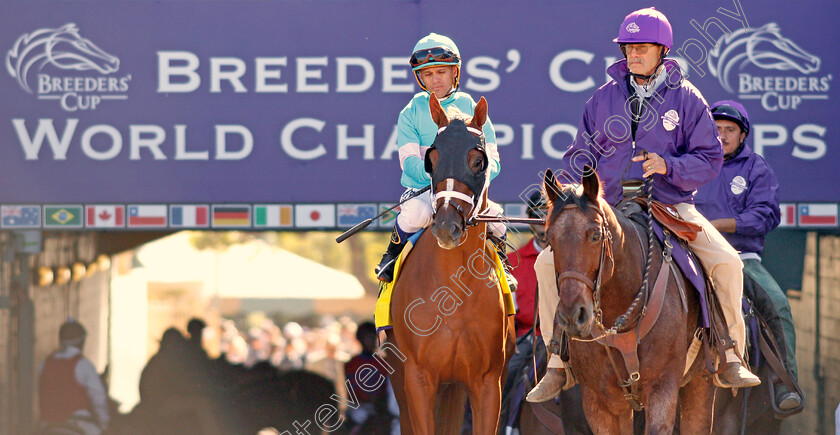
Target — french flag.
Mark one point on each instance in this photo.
(788, 215)
(818, 215)
(189, 216)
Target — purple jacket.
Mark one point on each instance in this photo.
(676, 124)
(748, 191)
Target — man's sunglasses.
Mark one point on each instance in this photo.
(437, 54)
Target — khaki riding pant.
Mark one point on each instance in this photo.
(718, 257)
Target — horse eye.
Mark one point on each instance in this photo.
(596, 236)
(478, 163)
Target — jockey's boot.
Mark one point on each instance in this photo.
(499, 244)
(551, 384)
(385, 269)
(787, 400)
(736, 375)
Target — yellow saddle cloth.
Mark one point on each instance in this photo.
(382, 312)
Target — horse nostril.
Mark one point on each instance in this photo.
(581, 317)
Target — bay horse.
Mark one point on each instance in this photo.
(449, 317)
(594, 246)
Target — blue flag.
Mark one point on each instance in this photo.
(21, 216)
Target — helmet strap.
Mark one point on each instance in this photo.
(735, 153)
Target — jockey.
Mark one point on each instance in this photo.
(436, 63)
(69, 388)
(743, 204)
(648, 106)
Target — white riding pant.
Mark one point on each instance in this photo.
(417, 213)
(718, 257)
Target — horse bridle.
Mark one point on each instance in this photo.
(449, 193)
(606, 253)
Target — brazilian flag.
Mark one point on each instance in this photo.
(63, 216)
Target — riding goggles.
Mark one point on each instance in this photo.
(436, 54)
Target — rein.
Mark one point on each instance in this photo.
(620, 336)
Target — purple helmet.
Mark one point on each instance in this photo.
(732, 111)
(646, 25)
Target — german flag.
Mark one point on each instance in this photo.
(231, 216)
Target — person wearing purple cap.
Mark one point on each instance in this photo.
(648, 121)
(743, 204)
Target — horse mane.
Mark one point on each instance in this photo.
(454, 113)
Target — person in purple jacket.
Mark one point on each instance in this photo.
(743, 204)
(649, 107)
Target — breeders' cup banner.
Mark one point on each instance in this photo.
(148, 108)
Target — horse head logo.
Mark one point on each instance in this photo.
(764, 47)
(62, 48)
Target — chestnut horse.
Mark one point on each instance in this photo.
(448, 311)
(596, 247)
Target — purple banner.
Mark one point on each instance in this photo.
(296, 102)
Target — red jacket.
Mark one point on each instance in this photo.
(59, 392)
(524, 273)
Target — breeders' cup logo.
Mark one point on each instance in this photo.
(46, 60)
(782, 74)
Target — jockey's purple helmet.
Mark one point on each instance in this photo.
(646, 25)
(732, 111)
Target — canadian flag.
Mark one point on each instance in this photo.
(105, 216)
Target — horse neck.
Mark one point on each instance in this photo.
(621, 288)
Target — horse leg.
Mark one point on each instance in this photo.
(697, 404)
(420, 394)
(449, 408)
(661, 406)
(604, 419)
(486, 403)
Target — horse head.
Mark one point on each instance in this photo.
(457, 162)
(579, 233)
(764, 47)
(61, 47)
(768, 49)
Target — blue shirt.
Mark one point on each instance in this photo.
(416, 131)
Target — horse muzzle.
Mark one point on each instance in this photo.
(449, 228)
(577, 321)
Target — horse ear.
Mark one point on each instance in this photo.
(438, 114)
(591, 184)
(550, 187)
(479, 114)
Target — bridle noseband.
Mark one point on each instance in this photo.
(606, 253)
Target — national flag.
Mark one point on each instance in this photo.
(189, 216)
(63, 216)
(105, 216)
(315, 216)
(147, 216)
(21, 216)
(231, 216)
(351, 214)
(818, 215)
(788, 219)
(273, 215)
(388, 220)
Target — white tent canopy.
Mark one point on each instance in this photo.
(251, 270)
